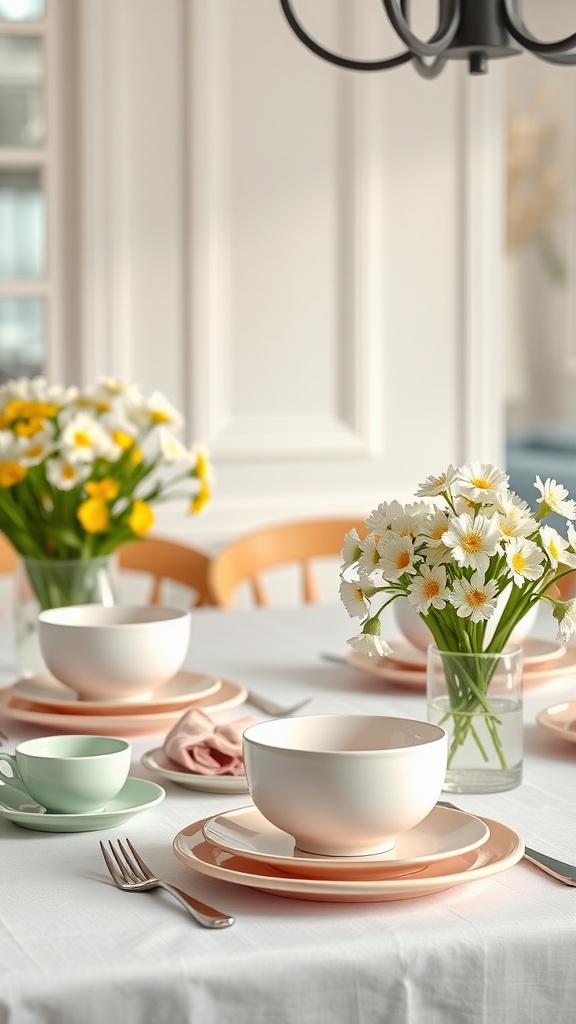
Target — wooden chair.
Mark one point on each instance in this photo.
(165, 560)
(8, 556)
(245, 559)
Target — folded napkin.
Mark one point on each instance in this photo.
(199, 745)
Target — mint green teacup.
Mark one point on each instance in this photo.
(70, 774)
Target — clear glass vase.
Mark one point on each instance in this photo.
(53, 583)
(477, 699)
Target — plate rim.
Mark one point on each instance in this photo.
(206, 783)
(372, 864)
(72, 706)
(58, 817)
(544, 719)
(395, 887)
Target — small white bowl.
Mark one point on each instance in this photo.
(345, 785)
(117, 652)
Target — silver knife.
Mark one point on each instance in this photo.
(558, 868)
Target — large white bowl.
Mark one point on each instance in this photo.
(118, 652)
(345, 785)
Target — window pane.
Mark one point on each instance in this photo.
(21, 119)
(22, 337)
(21, 10)
(22, 225)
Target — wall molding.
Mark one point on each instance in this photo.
(353, 428)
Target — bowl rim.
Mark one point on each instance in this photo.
(437, 734)
(155, 615)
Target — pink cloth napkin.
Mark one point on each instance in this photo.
(199, 745)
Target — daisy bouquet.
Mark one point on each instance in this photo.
(468, 544)
(81, 469)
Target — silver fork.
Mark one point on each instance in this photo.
(270, 707)
(557, 868)
(131, 874)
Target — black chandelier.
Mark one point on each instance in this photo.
(473, 30)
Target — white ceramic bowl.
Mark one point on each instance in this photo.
(345, 785)
(417, 633)
(118, 652)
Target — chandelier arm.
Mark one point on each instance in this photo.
(518, 31)
(431, 70)
(335, 58)
(437, 43)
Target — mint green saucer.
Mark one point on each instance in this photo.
(137, 795)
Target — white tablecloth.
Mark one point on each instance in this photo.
(499, 951)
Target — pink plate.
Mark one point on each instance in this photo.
(502, 849)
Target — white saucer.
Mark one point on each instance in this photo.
(502, 849)
(157, 762)
(560, 720)
(137, 723)
(53, 695)
(137, 795)
(444, 833)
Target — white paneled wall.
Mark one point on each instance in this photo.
(306, 260)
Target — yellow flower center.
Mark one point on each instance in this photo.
(476, 597)
(402, 560)
(438, 531)
(431, 589)
(481, 483)
(82, 439)
(11, 473)
(35, 450)
(68, 472)
(472, 543)
(553, 549)
(518, 562)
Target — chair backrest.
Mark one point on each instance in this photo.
(165, 560)
(8, 556)
(245, 559)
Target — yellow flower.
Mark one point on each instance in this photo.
(202, 466)
(11, 472)
(136, 456)
(201, 499)
(27, 428)
(106, 489)
(94, 516)
(122, 439)
(141, 517)
(22, 409)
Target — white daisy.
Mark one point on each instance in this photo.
(396, 556)
(156, 409)
(524, 559)
(65, 475)
(565, 612)
(10, 446)
(480, 481)
(474, 598)
(85, 439)
(554, 498)
(555, 546)
(429, 589)
(408, 522)
(434, 527)
(371, 644)
(381, 517)
(436, 485)
(172, 448)
(351, 550)
(370, 557)
(35, 449)
(473, 540)
(515, 517)
(353, 598)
